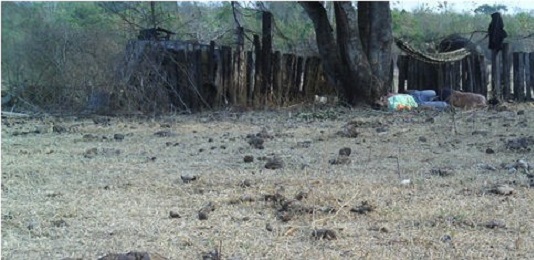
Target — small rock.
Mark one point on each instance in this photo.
(274, 163)
(256, 142)
(345, 151)
(495, 224)
(430, 120)
(248, 158)
(520, 144)
(204, 211)
(91, 153)
(284, 216)
(490, 151)
(443, 172)
(422, 139)
(247, 198)
(520, 112)
(301, 195)
(323, 233)
(59, 223)
(212, 255)
(164, 133)
(210, 140)
(340, 160)
(349, 130)
(503, 190)
(384, 229)
(118, 137)
(446, 238)
(268, 227)
(188, 178)
(364, 208)
(202, 215)
(381, 129)
(246, 183)
(173, 214)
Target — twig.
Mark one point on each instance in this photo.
(398, 164)
(453, 112)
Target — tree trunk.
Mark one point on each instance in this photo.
(360, 69)
(375, 19)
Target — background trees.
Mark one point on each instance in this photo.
(54, 54)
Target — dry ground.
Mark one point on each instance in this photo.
(62, 198)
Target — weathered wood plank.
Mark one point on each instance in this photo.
(519, 75)
(250, 78)
(257, 71)
(267, 28)
(506, 66)
(530, 75)
(277, 78)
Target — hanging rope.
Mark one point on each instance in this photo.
(434, 58)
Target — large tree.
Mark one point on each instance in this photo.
(357, 59)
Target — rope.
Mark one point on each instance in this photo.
(434, 58)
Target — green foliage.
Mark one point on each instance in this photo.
(489, 9)
(65, 49)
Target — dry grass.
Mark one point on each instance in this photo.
(121, 202)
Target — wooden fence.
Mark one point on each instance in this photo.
(199, 76)
(194, 77)
(509, 80)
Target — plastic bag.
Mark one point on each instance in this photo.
(401, 102)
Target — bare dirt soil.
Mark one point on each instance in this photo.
(299, 183)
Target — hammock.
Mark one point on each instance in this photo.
(435, 58)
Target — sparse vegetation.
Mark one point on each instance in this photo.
(187, 194)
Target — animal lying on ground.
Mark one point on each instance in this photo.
(467, 100)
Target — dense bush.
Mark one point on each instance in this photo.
(56, 54)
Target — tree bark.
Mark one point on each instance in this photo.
(374, 21)
(325, 42)
(360, 69)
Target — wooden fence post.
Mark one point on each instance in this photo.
(227, 74)
(401, 64)
(277, 78)
(257, 72)
(267, 28)
(530, 76)
(506, 71)
(250, 78)
(519, 75)
(496, 84)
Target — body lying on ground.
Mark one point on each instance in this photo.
(427, 98)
